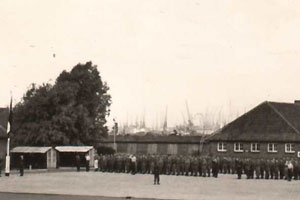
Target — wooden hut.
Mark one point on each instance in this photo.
(34, 157)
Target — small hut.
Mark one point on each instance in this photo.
(66, 155)
(34, 157)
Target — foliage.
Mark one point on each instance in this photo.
(70, 112)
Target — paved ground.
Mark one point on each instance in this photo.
(97, 185)
(30, 196)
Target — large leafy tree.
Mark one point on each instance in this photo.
(72, 111)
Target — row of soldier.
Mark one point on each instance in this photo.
(200, 166)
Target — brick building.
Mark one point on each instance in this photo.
(269, 130)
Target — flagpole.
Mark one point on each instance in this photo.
(7, 158)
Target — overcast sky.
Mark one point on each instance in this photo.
(221, 56)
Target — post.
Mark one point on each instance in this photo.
(115, 148)
(115, 129)
(7, 159)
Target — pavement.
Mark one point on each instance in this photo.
(98, 185)
(30, 196)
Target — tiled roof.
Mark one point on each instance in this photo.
(269, 121)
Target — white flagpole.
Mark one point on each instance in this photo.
(7, 159)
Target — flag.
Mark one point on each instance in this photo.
(10, 116)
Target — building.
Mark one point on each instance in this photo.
(157, 144)
(66, 155)
(34, 157)
(270, 130)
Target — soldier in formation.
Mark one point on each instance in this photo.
(203, 166)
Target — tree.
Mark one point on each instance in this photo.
(72, 111)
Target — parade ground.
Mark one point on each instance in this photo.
(108, 186)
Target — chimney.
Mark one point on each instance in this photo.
(297, 102)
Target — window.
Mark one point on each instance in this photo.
(222, 146)
(272, 147)
(255, 147)
(289, 148)
(238, 147)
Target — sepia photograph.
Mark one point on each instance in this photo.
(149, 99)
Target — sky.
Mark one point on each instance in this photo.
(221, 57)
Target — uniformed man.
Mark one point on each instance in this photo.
(87, 162)
(239, 168)
(167, 164)
(204, 167)
(160, 163)
(267, 169)
(281, 168)
(209, 165)
(118, 163)
(247, 168)
(272, 168)
(21, 165)
(173, 164)
(143, 164)
(257, 168)
(215, 168)
(296, 169)
(194, 166)
(262, 167)
(127, 164)
(276, 169)
(290, 167)
(199, 165)
(156, 173)
(187, 165)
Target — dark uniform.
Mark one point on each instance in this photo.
(267, 169)
(209, 164)
(262, 168)
(21, 165)
(194, 166)
(187, 164)
(257, 168)
(239, 168)
(276, 169)
(296, 170)
(167, 165)
(156, 174)
(77, 160)
(204, 167)
(215, 168)
(281, 168)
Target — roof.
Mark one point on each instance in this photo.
(154, 139)
(269, 121)
(24, 149)
(73, 148)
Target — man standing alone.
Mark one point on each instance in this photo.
(77, 157)
(156, 174)
(87, 162)
(21, 165)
